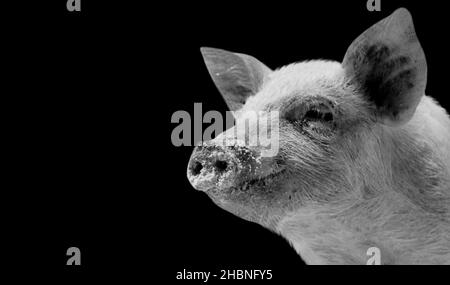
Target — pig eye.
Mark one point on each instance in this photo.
(309, 113)
(317, 114)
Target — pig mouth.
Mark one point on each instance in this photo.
(244, 198)
(260, 182)
(250, 184)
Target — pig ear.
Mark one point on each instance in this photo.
(237, 76)
(387, 63)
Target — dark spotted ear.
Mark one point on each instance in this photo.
(237, 76)
(388, 64)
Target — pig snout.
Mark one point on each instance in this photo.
(213, 167)
(223, 167)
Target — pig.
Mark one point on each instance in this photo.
(364, 154)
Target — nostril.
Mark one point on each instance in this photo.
(196, 168)
(221, 165)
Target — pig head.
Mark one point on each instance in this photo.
(363, 156)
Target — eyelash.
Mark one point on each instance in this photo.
(314, 114)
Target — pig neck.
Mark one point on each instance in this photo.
(343, 234)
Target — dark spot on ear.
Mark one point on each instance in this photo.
(393, 88)
(377, 53)
(382, 76)
(394, 63)
(243, 93)
(367, 62)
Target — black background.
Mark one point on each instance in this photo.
(93, 95)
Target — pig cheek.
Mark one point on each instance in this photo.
(242, 211)
(260, 205)
(239, 203)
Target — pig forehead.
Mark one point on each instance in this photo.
(298, 79)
